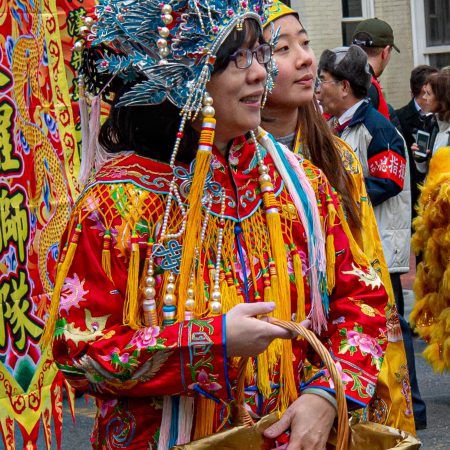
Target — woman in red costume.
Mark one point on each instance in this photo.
(185, 243)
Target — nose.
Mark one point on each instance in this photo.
(257, 72)
(303, 58)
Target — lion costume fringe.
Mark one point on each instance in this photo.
(431, 312)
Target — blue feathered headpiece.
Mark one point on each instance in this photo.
(173, 44)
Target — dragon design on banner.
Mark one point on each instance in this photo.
(38, 167)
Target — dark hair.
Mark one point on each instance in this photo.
(440, 85)
(349, 64)
(323, 151)
(418, 77)
(151, 130)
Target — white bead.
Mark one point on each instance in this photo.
(167, 19)
(264, 178)
(164, 32)
(190, 293)
(164, 52)
(149, 292)
(208, 101)
(149, 281)
(170, 288)
(208, 111)
(78, 46)
(263, 169)
(84, 29)
(190, 304)
(169, 299)
(161, 43)
(150, 270)
(215, 296)
(89, 21)
(171, 278)
(216, 307)
(166, 9)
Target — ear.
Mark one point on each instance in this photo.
(386, 51)
(346, 88)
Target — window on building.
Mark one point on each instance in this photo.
(431, 32)
(437, 22)
(353, 12)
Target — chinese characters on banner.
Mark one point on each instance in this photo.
(38, 168)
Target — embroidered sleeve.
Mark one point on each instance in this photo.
(356, 334)
(100, 355)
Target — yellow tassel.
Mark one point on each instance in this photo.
(106, 254)
(263, 379)
(200, 298)
(234, 298)
(132, 311)
(331, 262)
(63, 270)
(298, 274)
(204, 419)
(288, 390)
(193, 224)
(249, 372)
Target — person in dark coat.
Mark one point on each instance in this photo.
(413, 117)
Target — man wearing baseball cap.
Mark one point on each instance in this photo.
(376, 38)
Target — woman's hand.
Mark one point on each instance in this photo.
(248, 335)
(417, 157)
(310, 419)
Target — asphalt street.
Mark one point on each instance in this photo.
(435, 390)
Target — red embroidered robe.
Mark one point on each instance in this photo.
(129, 371)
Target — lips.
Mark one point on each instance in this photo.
(252, 99)
(306, 81)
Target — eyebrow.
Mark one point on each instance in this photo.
(302, 31)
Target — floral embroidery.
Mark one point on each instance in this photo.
(344, 377)
(73, 293)
(147, 337)
(206, 382)
(356, 339)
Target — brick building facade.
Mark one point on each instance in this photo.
(421, 30)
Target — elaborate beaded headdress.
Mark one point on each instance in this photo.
(172, 44)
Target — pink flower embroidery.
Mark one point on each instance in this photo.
(365, 343)
(204, 382)
(73, 293)
(344, 377)
(145, 337)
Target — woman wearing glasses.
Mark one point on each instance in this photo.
(184, 243)
(292, 115)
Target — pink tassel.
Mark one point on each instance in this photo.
(164, 431)
(317, 314)
(318, 257)
(185, 419)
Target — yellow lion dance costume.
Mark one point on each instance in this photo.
(431, 312)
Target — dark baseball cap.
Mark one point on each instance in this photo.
(374, 33)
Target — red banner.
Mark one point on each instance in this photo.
(38, 168)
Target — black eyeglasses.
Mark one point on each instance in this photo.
(243, 57)
(319, 83)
